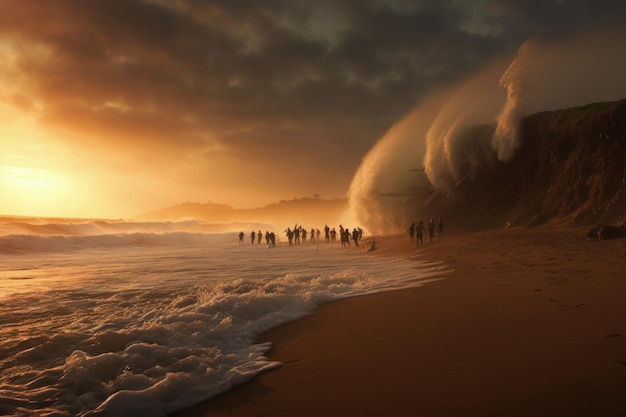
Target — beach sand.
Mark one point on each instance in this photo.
(529, 322)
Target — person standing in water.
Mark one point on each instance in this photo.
(431, 230)
(355, 237)
(419, 233)
(289, 234)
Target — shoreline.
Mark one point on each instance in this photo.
(529, 322)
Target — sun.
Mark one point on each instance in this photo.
(32, 190)
(28, 179)
(33, 174)
(32, 179)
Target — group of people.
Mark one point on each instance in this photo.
(270, 238)
(299, 235)
(416, 231)
(356, 235)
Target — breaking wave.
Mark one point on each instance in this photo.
(25, 235)
(470, 129)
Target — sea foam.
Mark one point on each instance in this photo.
(147, 329)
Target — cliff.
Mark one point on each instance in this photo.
(570, 168)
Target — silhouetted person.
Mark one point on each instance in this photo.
(327, 233)
(411, 231)
(241, 236)
(259, 237)
(431, 230)
(355, 237)
(289, 234)
(345, 237)
(419, 233)
(252, 237)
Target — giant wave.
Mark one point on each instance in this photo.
(535, 138)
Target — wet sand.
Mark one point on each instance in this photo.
(530, 322)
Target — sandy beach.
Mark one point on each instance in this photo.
(528, 322)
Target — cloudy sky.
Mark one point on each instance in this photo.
(112, 107)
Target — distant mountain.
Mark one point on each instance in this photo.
(309, 212)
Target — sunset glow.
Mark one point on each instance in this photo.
(398, 207)
(27, 188)
(109, 117)
(32, 179)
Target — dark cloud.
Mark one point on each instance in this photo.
(520, 19)
(257, 78)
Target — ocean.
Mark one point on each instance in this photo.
(144, 319)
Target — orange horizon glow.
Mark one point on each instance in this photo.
(41, 176)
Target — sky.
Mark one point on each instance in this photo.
(109, 108)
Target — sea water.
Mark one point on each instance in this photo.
(150, 318)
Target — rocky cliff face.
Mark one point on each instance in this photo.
(570, 168)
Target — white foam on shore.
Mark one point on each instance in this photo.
(151, 329)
